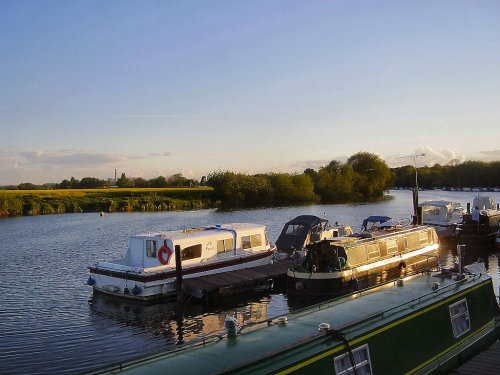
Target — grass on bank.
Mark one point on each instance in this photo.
(42, 202)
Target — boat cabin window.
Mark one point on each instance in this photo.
(225, 246)
(392, 246)
(248, 242)
(191, 252)
(412, 241)
(294, 230)
(357, 255)
(402, 244)
(373, 250)
(151, 248)
(460, 321)
(361, 356)
(423, 238)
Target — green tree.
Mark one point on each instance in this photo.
(158, 182)
(141, 183)
(371, 175)
(124, 182)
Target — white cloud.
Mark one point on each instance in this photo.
(430, 158)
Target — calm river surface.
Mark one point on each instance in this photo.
(51, 323)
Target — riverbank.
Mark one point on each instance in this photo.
(45, 202)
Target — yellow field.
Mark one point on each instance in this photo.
(105, 191)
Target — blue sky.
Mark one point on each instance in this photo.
(162, 87)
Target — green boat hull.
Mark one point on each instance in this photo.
(405, 329)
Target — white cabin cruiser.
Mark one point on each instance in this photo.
(442, 215)
(148, 269)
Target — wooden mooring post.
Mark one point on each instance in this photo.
(178, 269)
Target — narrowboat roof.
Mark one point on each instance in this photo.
(354, 315)
(202, 231)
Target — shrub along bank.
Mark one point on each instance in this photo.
(43, 202)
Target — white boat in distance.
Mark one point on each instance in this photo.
(442, 215)
(148, 269)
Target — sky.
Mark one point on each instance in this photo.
(155, 88)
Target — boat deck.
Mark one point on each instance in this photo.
(486, 363)
(234, 282)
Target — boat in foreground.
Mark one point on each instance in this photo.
(149, 269)
(423, 324)
(339, 265)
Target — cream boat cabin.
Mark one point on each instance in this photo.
(339, 265)
(148, 269)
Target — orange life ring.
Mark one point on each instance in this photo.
(164, 250)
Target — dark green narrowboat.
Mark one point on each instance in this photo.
(423, 324)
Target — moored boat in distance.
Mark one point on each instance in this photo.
(443, 216)
(424, 324)
(148, 269)
(337, 266)
(479, 227)
(305, 229)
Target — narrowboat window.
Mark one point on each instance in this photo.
(402, 244)
(392, 246)
(256, 240)
(423, 238)
(225, 246)
(361, 356)
(373, 251)
(460, 321)
(413, 241)
(191, 252)
(246, 243)
(151, 248)
(431, 236)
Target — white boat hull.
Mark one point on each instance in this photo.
(162, 284)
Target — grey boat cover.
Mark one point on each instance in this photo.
(294, 233)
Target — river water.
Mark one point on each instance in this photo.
(50, 322)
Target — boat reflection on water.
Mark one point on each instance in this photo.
(180, 323)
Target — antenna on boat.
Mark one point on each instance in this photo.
(416, 216)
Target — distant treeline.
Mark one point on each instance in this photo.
(363, 177)
(176, 180)
(467, 174)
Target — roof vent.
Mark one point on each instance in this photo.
(323, 327)
(282, 320)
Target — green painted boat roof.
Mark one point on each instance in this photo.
(353, 314)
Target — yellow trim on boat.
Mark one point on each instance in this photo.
(385, 328)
